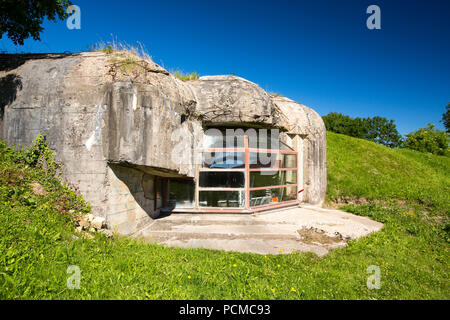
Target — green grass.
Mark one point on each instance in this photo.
(129, 58)
(362, 169)
(185, 76)
(37, 244)
(120, 46)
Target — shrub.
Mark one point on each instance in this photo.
(428, 139)
(37, 155)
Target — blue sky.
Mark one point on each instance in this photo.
(319, 53)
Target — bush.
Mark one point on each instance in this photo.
(37, 155)
(429, 140)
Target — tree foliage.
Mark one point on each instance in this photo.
(428, 139)
(383, 131)
(377, 129)
(22, 19)
(446, 118)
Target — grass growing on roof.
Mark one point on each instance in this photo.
(37, 242)
(115, 45)
(185, 76)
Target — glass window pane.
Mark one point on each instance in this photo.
(290, 177)
(223, 160)
(265, 160)
(262, 197)
(224, 138)
(272, 178)
(234, 137)
(222, 199)
(222, 179)
(265, 139)
(159, 193)
(181, 193)
(272, 160)
(288, 194)
(272, 196)
(258, 138)
(284, 146)
(213, 138)
(289, 161)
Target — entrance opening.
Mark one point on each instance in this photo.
(172, 194)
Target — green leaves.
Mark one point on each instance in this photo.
(23, 19)
(376, 129)
(384, 132)
(446, 118)
(428, 139)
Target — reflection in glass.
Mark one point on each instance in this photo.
(265, 160)
(223, 160)
(272, 178)
(272, 196)
(284, 146)
(289, 161)
(222, 199)
(272, 160)
(159, 193)
(222, 179)
(181, 193)
(234, 138)
(221, 170)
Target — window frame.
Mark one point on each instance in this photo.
(247, 189)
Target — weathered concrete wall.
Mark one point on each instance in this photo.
(232, 100)
(305, 123)
(131, 203)
(113, 124)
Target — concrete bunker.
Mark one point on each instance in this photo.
(139, 142)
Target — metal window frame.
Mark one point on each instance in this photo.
(247, 208)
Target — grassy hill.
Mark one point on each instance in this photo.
(406, 190)
(361, 171)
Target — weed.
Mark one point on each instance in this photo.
(185, 76)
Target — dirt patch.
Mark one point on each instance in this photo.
(341, 201)
(435, 220)
(313, 235)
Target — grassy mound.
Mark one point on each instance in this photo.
(363, 171)
(405, 190)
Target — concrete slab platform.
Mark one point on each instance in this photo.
(299, 229)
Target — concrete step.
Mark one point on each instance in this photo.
(295, 230)
(171, 224)
(159, 236)
(268, 245)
